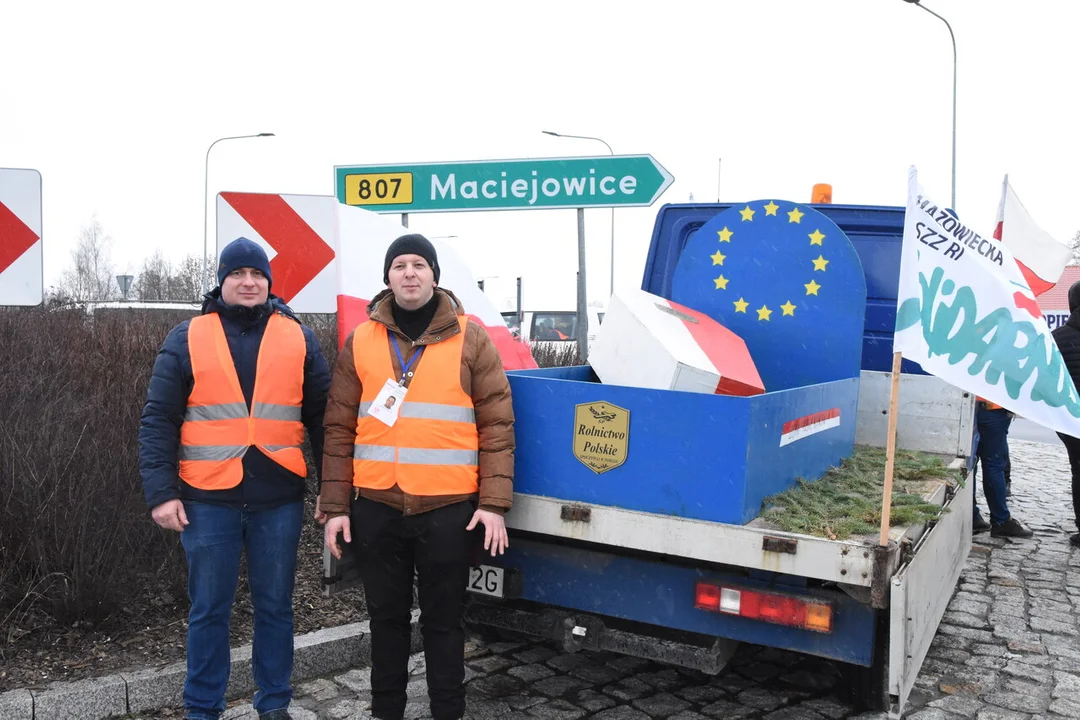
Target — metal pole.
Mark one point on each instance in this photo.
(405, 219)
(206, 191)
(952, 36)
(520, 314)
(611, 262)
(582, 300)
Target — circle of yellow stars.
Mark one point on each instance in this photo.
(764, 313)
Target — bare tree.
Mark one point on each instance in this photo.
(159, 280)
(1075, 245)
(154, 279)
(91, 277)
(190, 275)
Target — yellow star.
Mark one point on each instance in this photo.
(718, 258)
(771, 208)
(820, 263)
(747, 213)
(788, 308)
(816, 237)
(812, 288)
(721, 282)
(794, 216)
(725, 234)
(740, 305)
(763, 312)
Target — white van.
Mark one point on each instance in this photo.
(552, 326)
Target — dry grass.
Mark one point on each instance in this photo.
(847, 500)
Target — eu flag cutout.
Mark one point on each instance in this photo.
(785, 279)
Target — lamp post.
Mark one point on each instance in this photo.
(206, 191)
(611, 263)
(953, 37)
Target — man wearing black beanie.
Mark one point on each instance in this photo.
(412, 479)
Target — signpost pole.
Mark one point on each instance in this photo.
(582, 300)
(520, 314)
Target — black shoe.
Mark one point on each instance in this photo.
(1010, 528)
(979, 524)
(279, 714)
(1075, 540)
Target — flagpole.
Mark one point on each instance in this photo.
(890, 450)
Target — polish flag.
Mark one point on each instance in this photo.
(1041, 258)
(808, 425)
(649, 341)
(362, 239)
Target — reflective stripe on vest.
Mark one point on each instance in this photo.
(433, 447)
(218, 428)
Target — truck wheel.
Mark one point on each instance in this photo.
(862, 687)
(867, 688)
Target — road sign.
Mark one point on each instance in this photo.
(297, 232)
(538, 184)
(21, 272)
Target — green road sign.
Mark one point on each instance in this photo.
(543, 183)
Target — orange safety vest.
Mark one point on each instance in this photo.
(989, 405)
(218, 428)
(433, 447)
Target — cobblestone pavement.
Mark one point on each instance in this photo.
(1008, 649)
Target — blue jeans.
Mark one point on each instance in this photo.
(993, 449)
(213, 541)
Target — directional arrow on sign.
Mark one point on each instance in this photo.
(536, 184)
(15, 237)
(301, 253)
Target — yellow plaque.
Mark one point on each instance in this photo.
(601, 435)
(379, 189)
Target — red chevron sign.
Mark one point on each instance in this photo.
(301, 252)
(21, 281)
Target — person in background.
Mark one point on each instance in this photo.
(1067, 338)
(992, 449)
(231, 394)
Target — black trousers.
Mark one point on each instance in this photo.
(389, 546)
(1072, 445)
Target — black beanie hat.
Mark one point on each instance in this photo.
(413, 244)
(241, 253)
(1074, 296)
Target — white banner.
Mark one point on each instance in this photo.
(966, 315)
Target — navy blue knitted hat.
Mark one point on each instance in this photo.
(241, 253)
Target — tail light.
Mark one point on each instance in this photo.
(768, 607)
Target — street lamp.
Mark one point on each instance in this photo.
(206, 191)
(953, 37)
(611, 263)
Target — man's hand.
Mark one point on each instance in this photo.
(170, 515)
(320, 516)
(333, 527)
(495, 538)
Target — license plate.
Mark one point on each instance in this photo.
(486, 580)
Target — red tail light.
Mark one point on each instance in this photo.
(707, 597)
(768, 607)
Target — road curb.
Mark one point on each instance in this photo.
(315, 654)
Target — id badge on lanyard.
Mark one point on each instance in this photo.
(387, 404)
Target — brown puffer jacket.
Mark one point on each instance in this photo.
(482, 378)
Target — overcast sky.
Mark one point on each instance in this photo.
(115, 104)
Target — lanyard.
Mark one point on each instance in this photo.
(401, 360)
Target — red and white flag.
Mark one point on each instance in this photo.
(362, 239)
(1041, 258)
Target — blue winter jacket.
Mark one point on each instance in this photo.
(265, 483)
